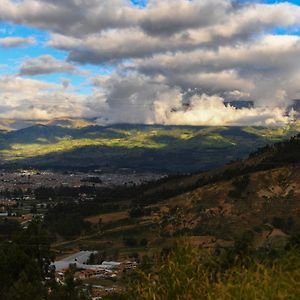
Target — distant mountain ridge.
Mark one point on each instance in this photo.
(16, 124)
(138, 148)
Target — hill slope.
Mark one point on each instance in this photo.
(250, 221)
(245, 196)
(260, 196)
(162, 149)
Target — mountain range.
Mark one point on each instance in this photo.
(82, 145)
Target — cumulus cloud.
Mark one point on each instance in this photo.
(173, 31)
(13, 84)
(71, 17)
(137, 99)
(45, 64)
(116, 45)
(271, 52)
(258, 70)
(210, 110)
(159, 18)
(34, 99)
(174, 61)
(13, 42)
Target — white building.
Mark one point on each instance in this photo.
(79, 259)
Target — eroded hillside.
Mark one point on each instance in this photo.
(211, 209)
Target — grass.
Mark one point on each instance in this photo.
(189, 273)
(214, 139)
(110, 217)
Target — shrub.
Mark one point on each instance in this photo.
(130, 242)
(188, 273)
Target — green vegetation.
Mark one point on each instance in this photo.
(170, 149)
(187, 273)
(247, 214)
(133, 138)
(273, 133)
(21, 151)
(25, 272)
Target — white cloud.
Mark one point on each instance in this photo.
(71, 17)
(18, 85)
(13, 42)
(137, 99)
(45, 64)
(171, 30)
(210, 110)
(168, 54)
(27, 98)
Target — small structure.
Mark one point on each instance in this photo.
(80, 259)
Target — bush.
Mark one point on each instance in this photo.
(285, 225)
(144, 242)
(240, 186)
(188, 273)
(130, 242)
(136, 212)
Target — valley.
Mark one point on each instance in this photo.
(149, 150)
(133, 148)
(253, 201)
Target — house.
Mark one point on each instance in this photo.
(80, 259)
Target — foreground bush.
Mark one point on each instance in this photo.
(188, 273)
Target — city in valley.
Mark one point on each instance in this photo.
(149, 149)
(32, 179)
(28, 195)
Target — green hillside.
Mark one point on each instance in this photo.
(136, 147)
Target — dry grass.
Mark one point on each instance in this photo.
(189, 274)
(107, 218)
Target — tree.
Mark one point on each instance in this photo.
(136, 212)
(27, 289)
(72, 289)
(144, 242)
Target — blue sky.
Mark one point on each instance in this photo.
(297, 2)
(139, 2)
(90, 64)
(13, 57)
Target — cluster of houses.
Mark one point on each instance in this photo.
(5, 206)
(9, 208)
(106, 270)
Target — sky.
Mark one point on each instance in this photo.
(149, 61)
